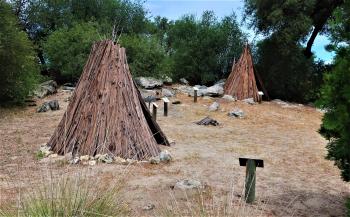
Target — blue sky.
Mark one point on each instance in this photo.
(174, 9)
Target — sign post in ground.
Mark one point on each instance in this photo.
(166, 102)
(250, 179)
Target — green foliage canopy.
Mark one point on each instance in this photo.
(203, 49)
(335, 96)
(146, 56)
(19, 70)
(67, 49)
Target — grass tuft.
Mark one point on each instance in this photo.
(68, 196)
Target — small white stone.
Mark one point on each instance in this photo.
(92, 162)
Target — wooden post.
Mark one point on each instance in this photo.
(154, 111)
(249, 193)
(195, 90)
(260, 93)
(166, 102)
(250, 179)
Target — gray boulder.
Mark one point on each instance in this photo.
(148, 82)
(165, 156)
(214, 107)
(215, 90)
(43, 108)
(249, 101)
(188, 184)
(237, 113)
(184, 89)
(104, 158)
(154, 160)
(184, 81)
(145, 93)
(46, 88)
(228, 98)
(54, 105)
(46, 106)
(167, 93)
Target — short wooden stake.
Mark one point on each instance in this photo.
(195, 92)
(260, 94)
(166, 102)
(154, 111)
(250, 179)
(249, 193)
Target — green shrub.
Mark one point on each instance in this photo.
(67, 49)
(336, 121)
(18, 66)
(146, 57)
(348, 206)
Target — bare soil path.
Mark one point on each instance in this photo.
(296, 180)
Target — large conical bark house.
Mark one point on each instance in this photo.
(242, 83)
(107, 114)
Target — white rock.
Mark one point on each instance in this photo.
(45, 150)
(53, 155)
(187, 184)
(249, 101)
(119, 160)
(183, 81)
(148, 82)
(104, 158)
(165, 156)
(228, 98)
(46, 88)
(74, 160)
(215, 90)
(149, 207)
(131, 161)
(85, 158)
(214, 107)
(154, 160)
(167, 93)
(238, 113)
(92, 162)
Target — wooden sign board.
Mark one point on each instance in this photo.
(165, 99)
(195, 88)
(260, 93)
(258, 162)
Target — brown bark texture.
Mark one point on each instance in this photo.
(241, 82)
(107, 114)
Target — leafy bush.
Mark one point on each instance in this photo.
(67, 49)
(146, 57)
(336, 121)
(19, 70)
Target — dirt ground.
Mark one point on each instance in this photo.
(296, 179)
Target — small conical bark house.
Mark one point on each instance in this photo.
(107, 114)
(242, 83)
